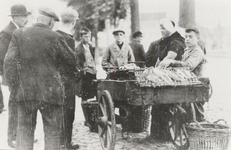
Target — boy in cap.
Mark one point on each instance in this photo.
(137, 47)
(118, 53)
(86, 63)
(31, 64)
(19, 15)
(69, 17)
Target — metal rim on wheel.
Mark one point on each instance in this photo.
(176, 129)
(106, 121)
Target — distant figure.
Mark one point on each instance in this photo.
(118, 53)
(138, 49)
(31, 65)
(68, 73)
(19, 20)
(86, 63)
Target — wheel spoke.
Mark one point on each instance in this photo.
(104, 130)
(103, 110)
(176, 132)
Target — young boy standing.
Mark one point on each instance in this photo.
(194, 59)
(118, 53)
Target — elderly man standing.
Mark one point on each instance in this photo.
(69, 76)
(19, 19)
(31, 64)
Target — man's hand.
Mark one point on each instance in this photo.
(166, 62)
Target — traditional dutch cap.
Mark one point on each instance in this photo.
(118, 30)
(48, 12)
(69, 14)
(19, 10)
(168, 24)
(137, 34)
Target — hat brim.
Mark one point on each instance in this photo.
(115, 32)
(28, 13)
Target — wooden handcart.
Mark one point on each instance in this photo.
(123, 93)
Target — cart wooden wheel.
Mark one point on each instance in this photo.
(176, 129)
(106, 121)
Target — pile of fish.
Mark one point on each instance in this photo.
(130, 66)
(167, 76)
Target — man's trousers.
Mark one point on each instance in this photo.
(52, 117)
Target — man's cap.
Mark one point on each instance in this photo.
(118, 30)
(48, 12)
(137, 34)
(69, 14)
(19, 10)
(194, 29)
(84, 30)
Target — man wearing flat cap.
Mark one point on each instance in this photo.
(118, 53)
(31, 65)
(69, 76)
(19, 19)
(137, 48)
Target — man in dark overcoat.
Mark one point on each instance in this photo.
(138, 48)
(69, 76)
(31, 64)
(19, 19)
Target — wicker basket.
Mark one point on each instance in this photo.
(91, 110)
(208, 136)
(140, 119)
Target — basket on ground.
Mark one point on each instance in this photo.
(140, 119)
(208, 136)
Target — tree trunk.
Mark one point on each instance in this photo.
(135, 16)
(187, 13)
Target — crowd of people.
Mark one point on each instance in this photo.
(45, 70)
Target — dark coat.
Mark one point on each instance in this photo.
(160, 48)
(80, 63)
(5, 37)
(32, 59)
(68, 73)
(138, 51)
(80, 55)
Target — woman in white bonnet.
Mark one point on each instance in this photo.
(170, 46)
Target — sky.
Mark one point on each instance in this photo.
(209, 13)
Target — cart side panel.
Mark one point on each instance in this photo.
(168, 94)
(116, 89)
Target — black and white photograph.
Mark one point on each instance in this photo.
(115, 74)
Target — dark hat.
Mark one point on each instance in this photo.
(19, 10)
(117, 30)
(136, 34)
(69, 14)
(48, 12)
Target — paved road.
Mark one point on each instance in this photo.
(219, 107)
